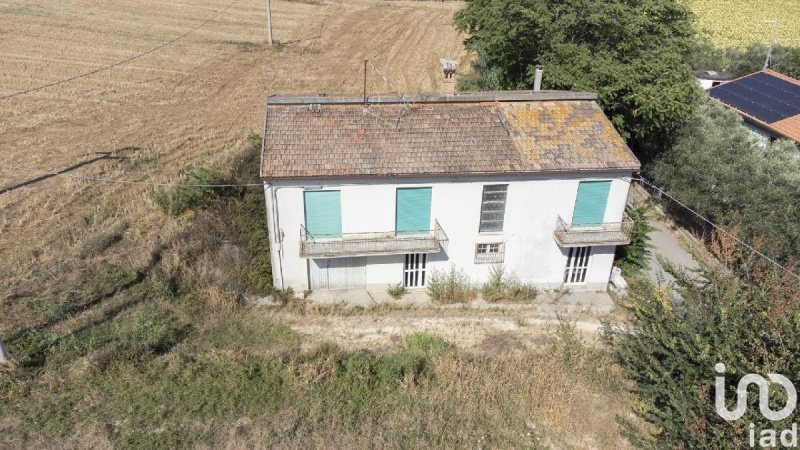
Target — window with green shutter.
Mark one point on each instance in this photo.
(413, 210)
(590, 205)
(323, 210)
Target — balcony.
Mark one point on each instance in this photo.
(612, 233)
(373, 243)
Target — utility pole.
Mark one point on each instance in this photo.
(3, 354)
(269, 22)
(774, 24)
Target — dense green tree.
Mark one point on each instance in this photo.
(632, 53)
(742, 61)
(717, 168)
(745, 316)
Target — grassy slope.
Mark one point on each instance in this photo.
(164, 355)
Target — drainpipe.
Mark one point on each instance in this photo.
(277, 239)
(537, 80)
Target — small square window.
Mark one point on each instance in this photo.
(489, 253)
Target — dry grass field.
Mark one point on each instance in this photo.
(191, 103)
(739, 23)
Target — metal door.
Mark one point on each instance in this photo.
(338, 273)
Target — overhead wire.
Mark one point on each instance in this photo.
(119, 63)
(112, 180)
(715, 226)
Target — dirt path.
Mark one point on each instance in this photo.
(501, 330)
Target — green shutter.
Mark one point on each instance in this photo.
(323, 214)
(413, 210)
(590, 206)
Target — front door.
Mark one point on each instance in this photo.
(577, 265)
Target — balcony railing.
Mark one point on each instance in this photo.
(372, 243)
(612, 233)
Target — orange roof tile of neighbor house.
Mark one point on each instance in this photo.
(512, 132)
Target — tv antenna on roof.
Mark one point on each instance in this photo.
(774, 24)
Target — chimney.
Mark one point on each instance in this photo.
(537, 80)
(449, 68)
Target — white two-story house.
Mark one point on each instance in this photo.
(366, 194)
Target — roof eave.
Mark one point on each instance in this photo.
(760, 123)
(631, 168)
(465, 97)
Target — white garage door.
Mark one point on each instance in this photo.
(337, 273)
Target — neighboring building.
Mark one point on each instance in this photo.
(768, 101)
(711, 78)
(367, 195)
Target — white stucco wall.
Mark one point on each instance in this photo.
(532, 206)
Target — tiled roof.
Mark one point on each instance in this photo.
(766, 98)
(340, 137)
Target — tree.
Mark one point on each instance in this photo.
(743, 314)
(717, 168)
(631, 53)
(742, 61)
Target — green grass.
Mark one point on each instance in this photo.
(252, 333)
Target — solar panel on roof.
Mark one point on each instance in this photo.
(763, 96)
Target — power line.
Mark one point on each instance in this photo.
(717, 227)
(391, 85)
(111, 180)
(119, 63)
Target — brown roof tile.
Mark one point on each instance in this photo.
(347, 139)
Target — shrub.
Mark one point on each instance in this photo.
(744, 316)
(193, 194)
(283, 296)
(503, 287)
(632, 258)
(450, 286)
(426, 343)
(396, 290)
(254, 139)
